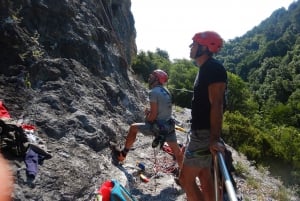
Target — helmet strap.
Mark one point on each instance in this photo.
(200, 51)
(152, 82)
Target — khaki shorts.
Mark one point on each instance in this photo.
(147, 130)
(197, 153)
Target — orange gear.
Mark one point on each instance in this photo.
(161, 75)
(210, 39)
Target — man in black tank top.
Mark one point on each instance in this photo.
(207, 115)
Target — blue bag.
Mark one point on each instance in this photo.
(112, 190)
(120, 193)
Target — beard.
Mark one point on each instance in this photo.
(151, 82)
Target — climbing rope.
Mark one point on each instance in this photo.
(184, 90)
(155, 152)
(166, 165)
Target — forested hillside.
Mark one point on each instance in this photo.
(263, 110)
(267, 57)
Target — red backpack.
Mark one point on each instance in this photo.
(112, 190)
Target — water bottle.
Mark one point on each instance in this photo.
(141, 166)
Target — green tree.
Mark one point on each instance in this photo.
(182, 76)
(288, 142)
(239, 97)
(145, 62)
(239, 133)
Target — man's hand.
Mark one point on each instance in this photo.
(217, 147)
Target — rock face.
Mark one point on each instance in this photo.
(65, 67)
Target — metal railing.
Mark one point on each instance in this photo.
(219, 164)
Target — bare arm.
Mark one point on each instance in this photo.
(216, 93)
(152, 114)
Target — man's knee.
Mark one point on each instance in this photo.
(205, 173)
(133, 128)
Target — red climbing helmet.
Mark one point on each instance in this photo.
(210, 39)
(161, 75)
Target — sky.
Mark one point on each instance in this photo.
(170, 24)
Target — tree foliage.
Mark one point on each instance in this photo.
(146, 62)
(182, 76)
(239, 97)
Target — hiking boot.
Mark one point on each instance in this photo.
(118, 153)
(121, 155)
